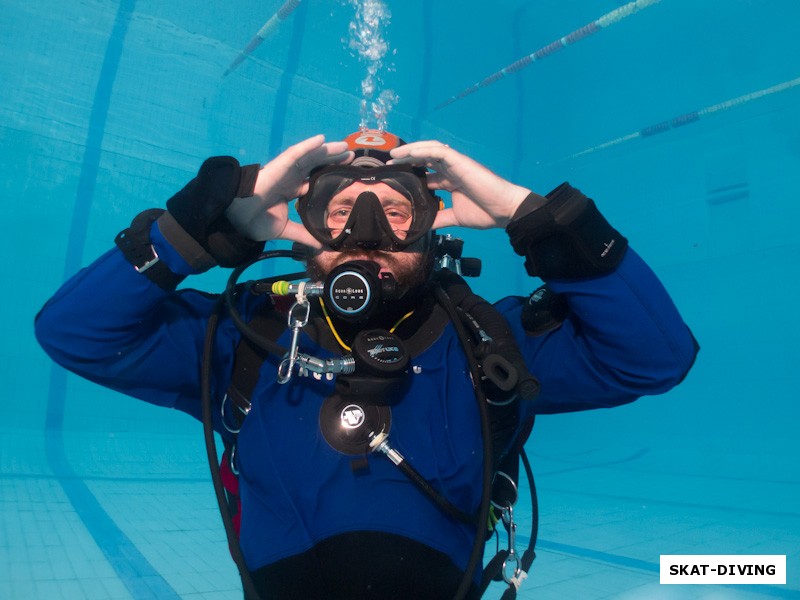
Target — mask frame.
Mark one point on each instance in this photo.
(328, 181)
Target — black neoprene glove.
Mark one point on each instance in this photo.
(199, 209)
(565, 237)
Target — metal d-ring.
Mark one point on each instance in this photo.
(224, 420)
(513, 486)
(232, 461)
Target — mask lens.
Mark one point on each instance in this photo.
(397, 209)
(329, 209)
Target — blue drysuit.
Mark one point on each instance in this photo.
(622, 338)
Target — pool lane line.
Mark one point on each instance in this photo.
(608, 19)
(690, 117)
(138, 576)
(634, 563)
(626, 562)
(428, 36)
(280, 107)
(271, 25)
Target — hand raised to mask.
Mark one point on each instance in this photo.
(265, 215)
(481, 199)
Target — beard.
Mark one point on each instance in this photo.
(411, 269)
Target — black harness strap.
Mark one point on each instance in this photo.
(247, 363)
(249, 357)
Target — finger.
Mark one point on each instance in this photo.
(302, 148)
(439, 181)
(318, 159)
(343, 157)
(419, 144)
(427, 150)
(445, 218)
(296, 232)
(325, 151)
(327, 154)
(437, 158)
(293, 155)
(335, 149)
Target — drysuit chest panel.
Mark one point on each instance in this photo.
(296, 489)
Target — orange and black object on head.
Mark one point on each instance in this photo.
(366, 221)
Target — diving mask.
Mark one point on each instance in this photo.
(365, 219)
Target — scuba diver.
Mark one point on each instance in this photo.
(358, 463)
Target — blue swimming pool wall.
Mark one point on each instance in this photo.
(109, 108)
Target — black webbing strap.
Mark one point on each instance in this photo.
(249, 357)
(135, 245)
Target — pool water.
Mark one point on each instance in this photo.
(680, 118)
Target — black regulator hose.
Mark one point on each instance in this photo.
(440, 501)
(530, 553)
(248, 586)
(476, 555)
(230, 301)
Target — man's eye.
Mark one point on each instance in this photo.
(397, 215)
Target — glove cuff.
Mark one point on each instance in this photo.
(184, 244)
(135, 245)
(566, 238)
(229, 247)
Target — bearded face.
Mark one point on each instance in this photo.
(410, 267)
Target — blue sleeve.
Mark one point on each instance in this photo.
(115, 327)
(622, 338)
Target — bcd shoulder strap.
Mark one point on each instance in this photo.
(270, 322)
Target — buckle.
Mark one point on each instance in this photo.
(135, 245)
(148, 263)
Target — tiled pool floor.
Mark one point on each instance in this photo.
(119, 516)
